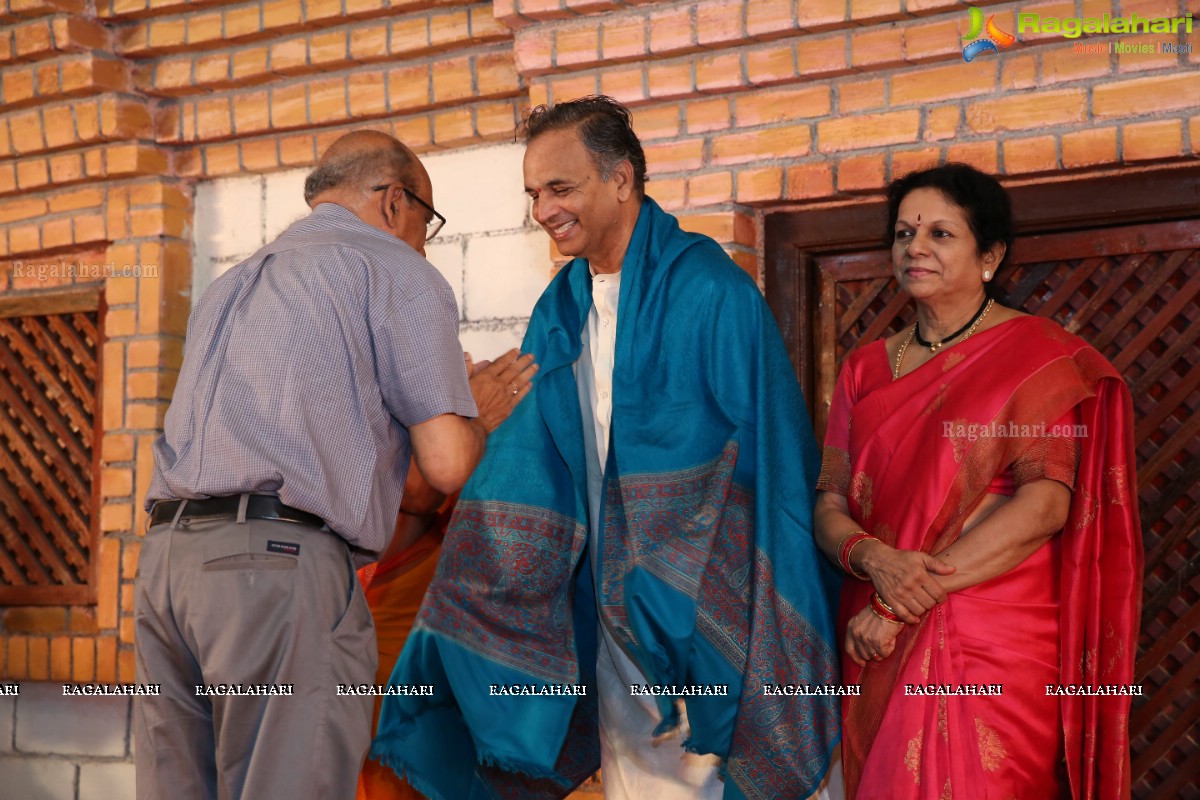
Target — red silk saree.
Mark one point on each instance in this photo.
(915, 456)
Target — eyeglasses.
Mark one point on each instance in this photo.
(435, 221)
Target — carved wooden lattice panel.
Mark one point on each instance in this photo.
(48, 389)
(1134, 293)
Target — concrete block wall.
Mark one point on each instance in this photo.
(494, 257)
(65, 748)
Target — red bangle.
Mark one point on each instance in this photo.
(882, 610)
(849, 542)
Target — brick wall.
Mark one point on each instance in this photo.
(112, 112)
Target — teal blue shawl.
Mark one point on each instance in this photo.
(709, 574)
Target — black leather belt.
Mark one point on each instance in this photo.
(258, 506)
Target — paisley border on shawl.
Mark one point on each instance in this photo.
(663, 523)
(779, 744)
(502, 587)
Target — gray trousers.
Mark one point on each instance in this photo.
(251, 603)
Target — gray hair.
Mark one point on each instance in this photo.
(359, 165)
(605, 128)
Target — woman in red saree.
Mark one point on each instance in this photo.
(978, 487)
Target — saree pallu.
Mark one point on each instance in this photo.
(918, 455)
(709, 574)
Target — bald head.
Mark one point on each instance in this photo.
(359, 160)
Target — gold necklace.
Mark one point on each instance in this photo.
(911, 333)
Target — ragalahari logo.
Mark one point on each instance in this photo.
(994, 40)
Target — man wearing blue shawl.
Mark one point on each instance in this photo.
(630, 575)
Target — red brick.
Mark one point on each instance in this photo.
(33, 38)
(868, 130)
(786, 142)
(453, 127)
(484, 25)
(297, 150)
(1019, 72)
(877, 47)
(289, 56)
(710, 188)
(281, 14)
(204, 27)
(27, 136)
(719, 21)
(707, 115)
(167, 33)
(83, 659)
(1194, 133)
(448, 29)
(32, 619)
(675, 156)
(251, 112)
(18, 658)
(221, 159)
(1144, 96)
(289, 106)
(328, 48)
(493, 120)
(495, 73)
(906, 161)
(39, 658)
(932, 40)
(875, 10)
(1028, 110)
(944, 83)
(452, 81)
(671, 30)
(627, 85)
(822, 56)
(1031, 154)
(818, 15)
(577, 45)
(981, 155)
(408, 87)
(32, 173)
(242, 21)
(327, 99)
(212, 68)
(669, 80)
(656, 122)
(862, 95)
(942, 122)
(759, 185)
(1147, 141)
(249, 62)
(622, 38)
(368, 94)
(1063, 64)
(212, 118)
(769, 18)
(366, 43)
(862, 173)
(17, 85)
(766, 108)
(774, 64)
(719, 72)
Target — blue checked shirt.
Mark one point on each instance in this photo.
(304, 367)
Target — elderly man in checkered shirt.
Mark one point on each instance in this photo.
(313, 372)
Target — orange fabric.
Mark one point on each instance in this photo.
(394, 594)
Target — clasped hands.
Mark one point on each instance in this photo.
(906, 581)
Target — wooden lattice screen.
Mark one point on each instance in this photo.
(49, 349)
(1139, 304)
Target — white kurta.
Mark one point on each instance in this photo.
(634, 766)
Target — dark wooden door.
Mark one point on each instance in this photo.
(1133, 292)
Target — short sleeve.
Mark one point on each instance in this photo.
(1054, 456)
(835, 458)
(420, 360)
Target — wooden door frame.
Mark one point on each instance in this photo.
(794, 237)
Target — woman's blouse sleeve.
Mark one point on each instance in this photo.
(1054, 456)
(835, 459)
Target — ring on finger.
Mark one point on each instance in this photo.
(514, 388)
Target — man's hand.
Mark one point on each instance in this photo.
(499, 385)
